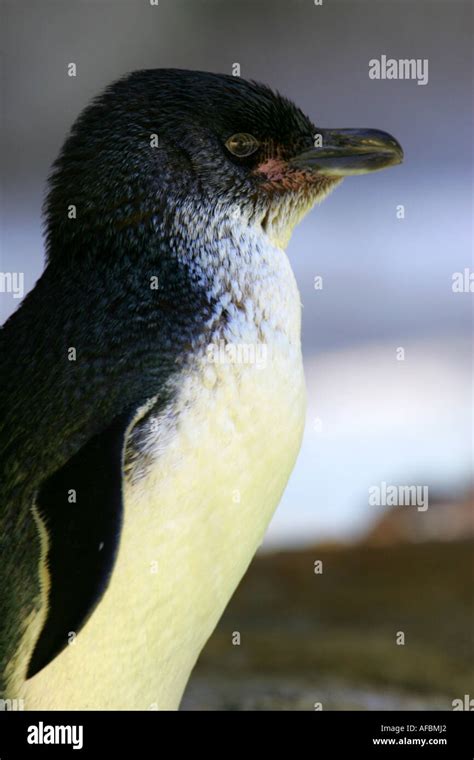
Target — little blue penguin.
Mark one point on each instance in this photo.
(152, 395)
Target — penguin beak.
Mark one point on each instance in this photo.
(345, 152)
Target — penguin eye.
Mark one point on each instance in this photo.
(242, 144)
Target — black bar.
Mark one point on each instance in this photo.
(325, 734)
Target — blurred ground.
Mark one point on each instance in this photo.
(331, 637)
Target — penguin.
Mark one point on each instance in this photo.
(152, 391)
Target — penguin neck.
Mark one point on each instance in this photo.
(228, 252)
(190, 272)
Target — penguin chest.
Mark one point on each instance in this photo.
(203, 477)
(195, 518)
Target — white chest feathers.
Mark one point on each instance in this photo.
(221, 457)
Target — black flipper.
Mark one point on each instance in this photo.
(83, 536)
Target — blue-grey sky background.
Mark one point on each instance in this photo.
(386, 281)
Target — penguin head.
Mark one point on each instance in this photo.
(160, 140)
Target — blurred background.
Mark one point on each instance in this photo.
(387, 343)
